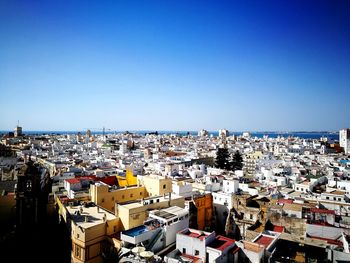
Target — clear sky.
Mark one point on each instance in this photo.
(175, 65)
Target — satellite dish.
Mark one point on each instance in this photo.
(146, 254)
(138, 250)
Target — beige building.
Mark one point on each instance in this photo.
(133, 214)
(151, 185)
(156, 184)
(105, 196)
(89, 227)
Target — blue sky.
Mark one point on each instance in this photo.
(175, 65)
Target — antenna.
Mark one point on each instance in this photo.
(17, 122)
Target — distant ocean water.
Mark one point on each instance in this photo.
(305, 135)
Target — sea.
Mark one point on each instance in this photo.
(259, 134)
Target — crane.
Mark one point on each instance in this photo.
(99, 129)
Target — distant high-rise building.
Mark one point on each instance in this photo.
(203, 133)
(88, 133)
(18, 131)
(344, 139)
(223, 133)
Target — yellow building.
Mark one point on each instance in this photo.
(135, 213)
(128, 180)
(105, 196)
(89, 227)
(156, 185)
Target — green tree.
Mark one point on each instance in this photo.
(237, 161)
(222, 159)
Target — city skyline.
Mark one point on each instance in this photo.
(179, 66)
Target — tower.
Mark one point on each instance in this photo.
(344, 139)
(18, 130)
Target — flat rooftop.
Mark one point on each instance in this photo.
(170, 212)
(221, 243)
(89, 216)
(201, 235)
(264, 241)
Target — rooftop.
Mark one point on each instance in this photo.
(322, 211)
(201, 235)
(264, 241)
(170, 212)
(89, 216)
(221, 242)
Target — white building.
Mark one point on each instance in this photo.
(182, 188)
(223, 133)
(344, 139)
(199, 246)
(159, 230)
(230, 186)
(203, 133)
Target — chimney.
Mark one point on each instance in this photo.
(98, 209)
(86, 219)
(104, 217)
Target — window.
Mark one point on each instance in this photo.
(196, 252)
(114, 228)
(158, 200)
(184, 250)
(251, 216)
(122, 196)
(140, 193)
(131, 195)
(339, 199)
(297, 188)
(103, 200)
(151, 201)
(327, 197)
(164, 186)
(112, 198)
(77, 251)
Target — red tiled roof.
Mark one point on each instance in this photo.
(110, 180)
(264, 241)
(73, 181)
(285, 201)
(322, 211)
(221, 242)
(279, 229)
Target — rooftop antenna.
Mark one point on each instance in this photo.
(17, 123)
